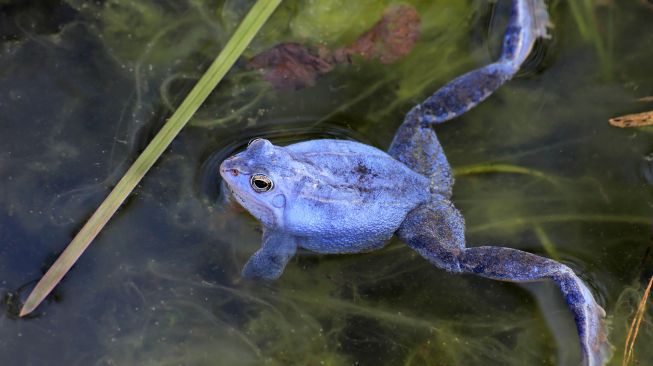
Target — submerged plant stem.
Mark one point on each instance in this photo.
(555, 218)
(503, 168)
(241, 38)
(584, 14)
(546, 243)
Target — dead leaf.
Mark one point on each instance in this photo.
(293, 66)
(390, 38)
(633, 120)
(648, 3)
(289, 66)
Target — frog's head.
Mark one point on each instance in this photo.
(260, 179)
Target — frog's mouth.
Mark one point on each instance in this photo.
(237, 198)
(228, 198)
(259, 211)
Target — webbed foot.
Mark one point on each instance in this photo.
(590, 316)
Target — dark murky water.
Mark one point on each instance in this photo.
(84, 85)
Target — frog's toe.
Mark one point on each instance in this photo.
(541, 21)
(269, 261)
(597, 351)
(252, 271)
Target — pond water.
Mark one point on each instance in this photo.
(86, 84)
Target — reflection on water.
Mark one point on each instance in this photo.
(82, 95)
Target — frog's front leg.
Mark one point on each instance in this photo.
(436, 231)
(270, 261)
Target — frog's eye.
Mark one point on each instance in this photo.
(253, 141)
(261, 183)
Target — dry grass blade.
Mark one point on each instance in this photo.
(633, 120)
(241, 38)
(635, 324)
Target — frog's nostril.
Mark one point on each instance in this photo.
(226, 168)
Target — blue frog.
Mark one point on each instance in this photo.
(335, 197)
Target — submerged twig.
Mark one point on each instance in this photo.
(629, 348)
(241, 38)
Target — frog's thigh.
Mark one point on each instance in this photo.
(437, 232)
(418, 147)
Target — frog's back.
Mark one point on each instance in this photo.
(331, 146)
(353, 196)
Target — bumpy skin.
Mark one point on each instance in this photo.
(334, 196)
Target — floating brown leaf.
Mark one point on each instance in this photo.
(633, 120)
(289, 66)
(648, 3)
(390, 38)
(293, 66)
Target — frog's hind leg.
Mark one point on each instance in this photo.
(436, 231)
(416, 145)
(528, 21)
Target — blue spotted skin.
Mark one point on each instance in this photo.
(337, 197)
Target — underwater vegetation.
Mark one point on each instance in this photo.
(538, 168)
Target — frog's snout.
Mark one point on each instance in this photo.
(227, 169)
